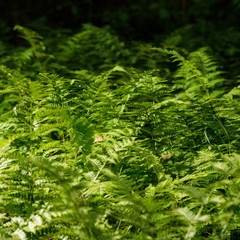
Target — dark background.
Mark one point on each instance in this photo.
(188, 24)
(134, 19)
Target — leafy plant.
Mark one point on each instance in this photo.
(110, 150)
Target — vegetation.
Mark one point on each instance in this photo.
(102, 139)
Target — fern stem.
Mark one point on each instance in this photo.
(95, 179)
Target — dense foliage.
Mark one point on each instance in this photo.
(106, 140)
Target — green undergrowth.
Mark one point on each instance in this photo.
(102, 140)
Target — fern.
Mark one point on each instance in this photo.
(94, 146)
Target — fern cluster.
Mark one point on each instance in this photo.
(103, 141)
